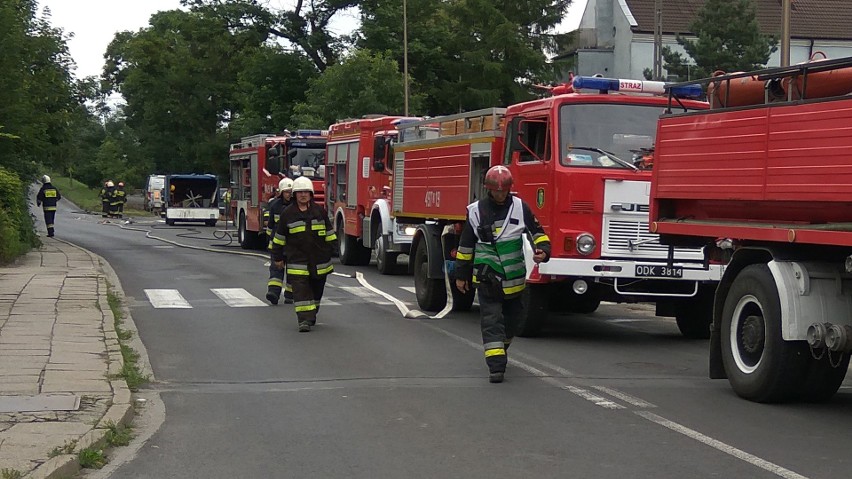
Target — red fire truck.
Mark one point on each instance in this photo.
(570, 155)
(359, 174)
(258, 162)
(768, 187)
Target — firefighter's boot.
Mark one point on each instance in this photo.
(272, 297)
(304, 327)
(495, 377)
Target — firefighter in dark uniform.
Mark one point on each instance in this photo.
(276, 275)
(47, 198)
(106, 198)
(303, 241)
(491, 256)
(121, 198)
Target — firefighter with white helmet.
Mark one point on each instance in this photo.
(277, 279)
(106, 195)
(303, 242)
(47, 198)
(491, 256)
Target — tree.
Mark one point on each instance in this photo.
(468, 54)
(362, 83)
(305, 24)
(727, 38)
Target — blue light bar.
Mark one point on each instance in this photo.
(606, 85)
(308, 132)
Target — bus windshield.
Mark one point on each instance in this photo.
(606, 135)
(307, 162)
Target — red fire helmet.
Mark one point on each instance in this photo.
(498, 178)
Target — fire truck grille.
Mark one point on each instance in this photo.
(632, 238)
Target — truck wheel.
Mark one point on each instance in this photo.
(535, 299)
(822, 379)
(760, 365)
(385, 261)
(349, 247)
(210, 222)
(693, 316)
(431, 293)
(247, 239)
(170, 222)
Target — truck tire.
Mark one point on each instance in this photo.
(351, 251)
(247, 239)
(210, 222)
(694, 315)
(170, 222)
(535, 298)
(385, 261)
(431, 293)
(822, 379)
(760, 365)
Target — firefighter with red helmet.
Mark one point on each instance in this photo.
(303, 242)
(277, 279)
(490, 256)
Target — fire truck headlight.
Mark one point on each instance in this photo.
(410, 230)
(586, 244)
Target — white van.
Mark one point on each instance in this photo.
(154, 193)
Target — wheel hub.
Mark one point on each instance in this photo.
(753, 334)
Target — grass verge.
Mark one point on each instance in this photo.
(130, 372)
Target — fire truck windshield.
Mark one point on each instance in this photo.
(605, 135)
(307, 162)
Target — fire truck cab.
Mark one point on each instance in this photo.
(571, 156)
(258, 162)
(359, 175)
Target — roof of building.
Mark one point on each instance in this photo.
(819, 19)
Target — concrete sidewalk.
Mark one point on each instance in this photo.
(59, 361)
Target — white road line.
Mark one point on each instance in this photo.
(410, 289)
(594, 398)
(237, 297)
(166, 298)
(329, 302)
(632, 400)
(721, 446)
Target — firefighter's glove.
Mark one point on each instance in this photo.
(279, 264)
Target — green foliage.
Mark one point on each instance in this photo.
(65, 448)
(7, 473)
(36, 97)
(363, 83)
(727, 39)
(17, 235)
(468, 54)
(92, 458)
(118, 434)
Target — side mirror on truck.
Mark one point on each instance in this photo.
(515, 134)
(379, 152)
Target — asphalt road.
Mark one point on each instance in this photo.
(370, 394)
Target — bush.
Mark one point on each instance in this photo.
(17, 233)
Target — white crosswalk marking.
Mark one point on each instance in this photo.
(166, 298)
(237, 298)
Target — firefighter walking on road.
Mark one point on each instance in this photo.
(277, 279)
(491, 256)
(303, 242)
(47, 198)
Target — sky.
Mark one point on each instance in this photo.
(92, 34)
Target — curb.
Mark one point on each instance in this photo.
(120, 411)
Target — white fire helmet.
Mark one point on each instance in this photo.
(303, 184)
(286, 184)
(45, 179)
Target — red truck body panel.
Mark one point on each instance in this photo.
(764, 173)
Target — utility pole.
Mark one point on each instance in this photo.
(658, 40)
(785, 32)
(405, 51)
